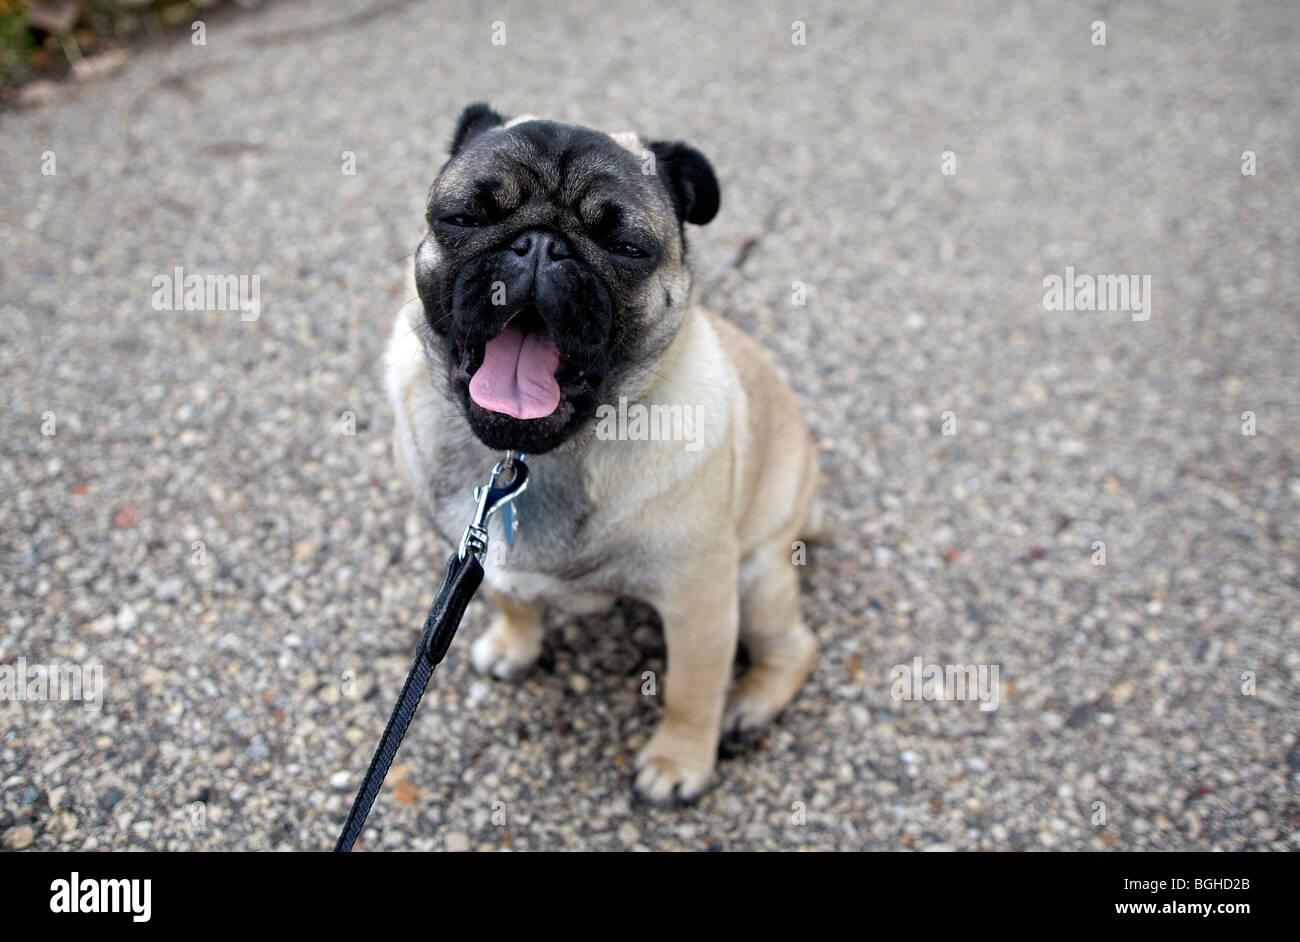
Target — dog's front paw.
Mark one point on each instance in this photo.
(504, 653)
(673, 771)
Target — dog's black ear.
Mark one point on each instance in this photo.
(474, 120)
(690, 180)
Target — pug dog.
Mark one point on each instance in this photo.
(554, 290)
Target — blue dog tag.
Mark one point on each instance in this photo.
(509, 523)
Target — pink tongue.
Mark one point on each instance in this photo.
(518, 374)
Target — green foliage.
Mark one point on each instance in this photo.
(15, 46)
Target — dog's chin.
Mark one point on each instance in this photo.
(530, 436)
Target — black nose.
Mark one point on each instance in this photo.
(540, 248)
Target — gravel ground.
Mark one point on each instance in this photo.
(251, 578)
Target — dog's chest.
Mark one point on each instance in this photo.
(561, 545)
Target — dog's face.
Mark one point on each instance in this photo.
(553, 270)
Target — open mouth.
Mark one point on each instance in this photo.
(520, 371)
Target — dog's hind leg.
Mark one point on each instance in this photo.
(781, 648)
(814, 528)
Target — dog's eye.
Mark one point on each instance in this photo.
(628, 250)
(462, 220)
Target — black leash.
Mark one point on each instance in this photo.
(464, 575)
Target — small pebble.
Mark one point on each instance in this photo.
(19, 838)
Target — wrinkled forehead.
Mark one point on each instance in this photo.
(577, 167)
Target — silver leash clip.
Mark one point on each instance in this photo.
(509, 480)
